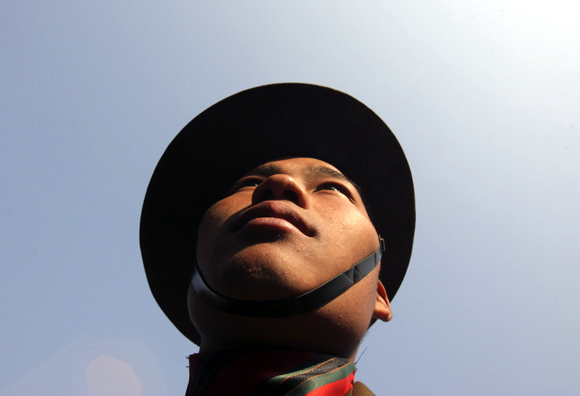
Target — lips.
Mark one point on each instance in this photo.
(277, 210)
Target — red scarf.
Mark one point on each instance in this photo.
(272, 372)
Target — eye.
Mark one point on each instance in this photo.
(251, 182)
(336, 187)
(329, 187)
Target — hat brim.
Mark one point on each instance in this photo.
(248, 129)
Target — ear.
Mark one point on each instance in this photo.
(382, 305)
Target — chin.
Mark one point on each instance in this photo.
(261, 276)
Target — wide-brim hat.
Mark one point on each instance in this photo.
(248, 129)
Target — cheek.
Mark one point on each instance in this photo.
(212, 225)
(360, 238)
(352, 227)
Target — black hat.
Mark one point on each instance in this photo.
(246, 130)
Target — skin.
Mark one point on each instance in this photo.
(286, 228)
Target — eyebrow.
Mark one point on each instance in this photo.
(311, 172)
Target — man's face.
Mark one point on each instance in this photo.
(286, 227)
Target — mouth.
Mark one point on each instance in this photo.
(272, 213)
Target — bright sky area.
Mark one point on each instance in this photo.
(483, 96)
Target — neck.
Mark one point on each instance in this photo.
(248, 347)
(318, 331)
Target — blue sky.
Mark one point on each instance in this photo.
(483, 96)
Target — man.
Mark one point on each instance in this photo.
(258, 243)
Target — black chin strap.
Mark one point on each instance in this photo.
(303, 303)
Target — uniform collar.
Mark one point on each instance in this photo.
(269, 372)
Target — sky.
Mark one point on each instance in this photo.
(484, 97)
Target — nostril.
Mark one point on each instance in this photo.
(266, 194)
(291, 196)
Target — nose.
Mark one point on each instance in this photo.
(281, 187)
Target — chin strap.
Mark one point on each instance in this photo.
(303, 303)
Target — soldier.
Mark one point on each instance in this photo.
(276, 229)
